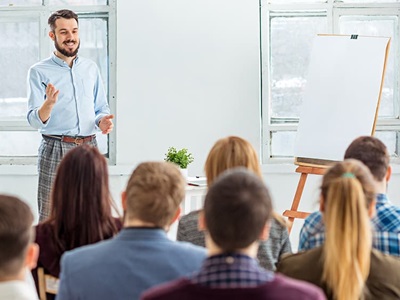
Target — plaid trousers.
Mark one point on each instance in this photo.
(51, 152)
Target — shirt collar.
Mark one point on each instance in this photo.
(61, 62)
(227, 261)
(382, 199)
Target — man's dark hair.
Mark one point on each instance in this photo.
(15, 234)
(236, 208)
(372, 153)
(63, 13)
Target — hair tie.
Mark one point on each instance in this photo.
(348, 175)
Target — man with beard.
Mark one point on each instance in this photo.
(66, 102)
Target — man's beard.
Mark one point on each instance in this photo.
(64, 51)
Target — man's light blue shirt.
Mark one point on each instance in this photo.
(81, 103)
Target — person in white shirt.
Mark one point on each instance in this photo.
(17, 251)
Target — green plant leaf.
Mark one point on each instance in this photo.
(180, 157)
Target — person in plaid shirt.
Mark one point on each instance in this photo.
(237, 211)
(386, 223)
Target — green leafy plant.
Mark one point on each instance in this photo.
(180, 157)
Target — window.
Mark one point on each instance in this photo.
(287, 31)
(25, 41)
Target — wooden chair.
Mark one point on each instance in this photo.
(47, 284)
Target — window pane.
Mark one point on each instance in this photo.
(282, 143)
(94, 43)
(391, 140)
(19, 50)
(378, 26)
(78, 2)
(291, 42)
(19, 143)
(102, 142)
(20, 2)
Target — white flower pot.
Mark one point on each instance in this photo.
(184, 173)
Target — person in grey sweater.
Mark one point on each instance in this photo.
(228, 153)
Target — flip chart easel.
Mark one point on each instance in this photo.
(293, 213)
(340, 103)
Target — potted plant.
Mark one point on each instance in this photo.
(180, 157)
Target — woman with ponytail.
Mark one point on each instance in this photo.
(346, 266)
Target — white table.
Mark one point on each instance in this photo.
(194, 200)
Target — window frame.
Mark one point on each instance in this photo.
(42, 13)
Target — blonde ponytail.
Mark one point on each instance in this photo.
(347, 192)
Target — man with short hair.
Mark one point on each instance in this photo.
(18, 253)
(67, 102)
(374, 154)
(141, 255)
(236, 213)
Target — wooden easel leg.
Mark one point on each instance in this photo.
(296, 199)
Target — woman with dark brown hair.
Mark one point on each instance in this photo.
(81, 208)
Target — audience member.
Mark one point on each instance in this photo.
(237, 211)
(141, 255)
(228, 153)
(17, 250)
(374, 154)
(345, 266)
(81, 208)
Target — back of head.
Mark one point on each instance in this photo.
(236, 209)
(372, 153)
(348, 192)
(81, 204)
(15, 234)
(228, 153)
(154, 192)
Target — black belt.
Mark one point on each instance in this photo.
(78, 140)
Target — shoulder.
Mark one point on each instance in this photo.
(278, 225)
(314, 218)
(296, 263)
(384, 277)
(190, 217)
(44, 232)
(188, 229)
(313, 224)
(278, 230)
(302, 255)
(296, 288)
(92, 251)
(45, 63)
(188, 248)
(87, 260)
(87, 63)
(384, 262)
(387, 218)
(168, 290)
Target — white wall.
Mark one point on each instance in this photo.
(187, 75)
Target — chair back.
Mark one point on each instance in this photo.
(47, 284)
